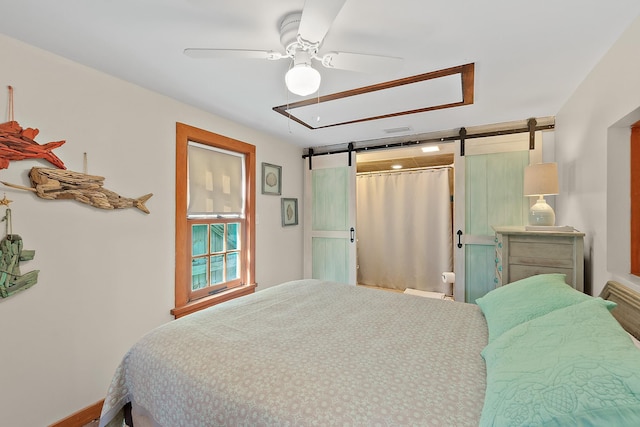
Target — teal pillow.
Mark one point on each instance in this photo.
(575, 366)
(526, 299)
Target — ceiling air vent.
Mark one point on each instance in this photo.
(396, 130)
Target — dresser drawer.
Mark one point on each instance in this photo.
(517, 272)
(563, 249)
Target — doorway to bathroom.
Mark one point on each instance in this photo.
(404, 218)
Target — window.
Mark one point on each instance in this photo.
(215, 219)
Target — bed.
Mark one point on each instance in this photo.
(309, 352)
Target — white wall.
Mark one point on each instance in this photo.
(592, 139)
(106, 277)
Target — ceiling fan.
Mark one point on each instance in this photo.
(301, 35)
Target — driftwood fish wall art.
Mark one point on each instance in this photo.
(55, 184)
(17, 143)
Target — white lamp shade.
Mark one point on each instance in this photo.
(541, 179)
(302, 79)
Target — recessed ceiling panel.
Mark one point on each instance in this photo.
(431, 93)
(440, 89)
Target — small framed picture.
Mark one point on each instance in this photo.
(289, 212)
(271, 179)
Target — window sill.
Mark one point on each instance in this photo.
(212, 300)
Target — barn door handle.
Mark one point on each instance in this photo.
(459, 233)
(353, 234)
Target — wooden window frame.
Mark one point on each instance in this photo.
(183, 304)
(634, 235)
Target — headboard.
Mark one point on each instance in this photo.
(628, 310)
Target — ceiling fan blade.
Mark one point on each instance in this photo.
(317, 17)
(232, 54)
(360, 62)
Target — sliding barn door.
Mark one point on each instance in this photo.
(488, 192)
(330, 218)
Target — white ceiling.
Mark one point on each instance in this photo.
(529, 56)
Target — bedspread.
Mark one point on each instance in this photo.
(310, 353)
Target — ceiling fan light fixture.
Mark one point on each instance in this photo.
(302, 79)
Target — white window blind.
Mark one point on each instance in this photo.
(215, 182)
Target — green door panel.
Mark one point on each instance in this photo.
(479, 259)
(494, 184)
(494, 196)
(330, 259)
(330, 199)
(330, 220)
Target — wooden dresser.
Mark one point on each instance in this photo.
(522, 253)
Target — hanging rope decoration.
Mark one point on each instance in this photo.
(11, 254)
(10, 103)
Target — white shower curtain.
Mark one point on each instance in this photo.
(404, 229)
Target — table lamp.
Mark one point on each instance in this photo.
(541, 180)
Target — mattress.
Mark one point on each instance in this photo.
(309, 352)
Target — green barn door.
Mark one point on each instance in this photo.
(329, 219)
(492, 171)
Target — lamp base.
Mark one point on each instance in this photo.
(541, 213)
